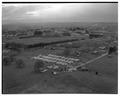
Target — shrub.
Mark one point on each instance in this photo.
(7, 60)
(13, 46)
(20, 63)
(38, 66)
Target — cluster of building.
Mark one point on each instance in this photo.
(55, 32)
(57, 62)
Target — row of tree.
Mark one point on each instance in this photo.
(7, 60)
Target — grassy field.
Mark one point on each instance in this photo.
(26, 81)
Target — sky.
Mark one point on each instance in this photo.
(60, 12)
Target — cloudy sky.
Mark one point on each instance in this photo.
(67, 12)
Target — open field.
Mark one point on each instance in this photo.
(26, 81)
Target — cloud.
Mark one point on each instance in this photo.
(78, 12)
(19, 11)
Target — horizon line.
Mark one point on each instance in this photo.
(59, 2)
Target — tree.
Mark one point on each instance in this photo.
(38, 33)
(56, 35)
(20, 63)
(13, 46)
(38, 66)
(6, 60)
(66, 34)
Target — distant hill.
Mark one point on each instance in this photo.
(112, 27)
